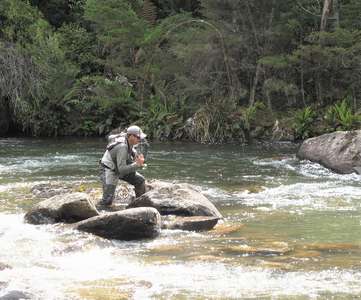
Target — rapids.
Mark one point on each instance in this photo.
(291, 228)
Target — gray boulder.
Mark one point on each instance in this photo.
(176, 199)
(339, 151)
(72, 207)
(129, 224)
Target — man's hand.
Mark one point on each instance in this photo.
(139, 160)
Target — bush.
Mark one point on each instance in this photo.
(340, 116)
(303, 123)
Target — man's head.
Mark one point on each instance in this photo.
(135, 134)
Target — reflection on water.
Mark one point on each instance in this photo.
(291, 229)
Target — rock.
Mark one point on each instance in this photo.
(3, 285)
(16, 295)
(69, 208)
(48, 190)
(224, 229)
(197, 223)
(281, 133)
(259, 251)
(176, 199)
(4, 266)
(331, 247)
(339, 151)
(277, 265)
(129, 224)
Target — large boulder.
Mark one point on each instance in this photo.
(128, 224)
(176, 199)
(339, 151)
(72, 207)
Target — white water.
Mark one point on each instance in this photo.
(56, 262)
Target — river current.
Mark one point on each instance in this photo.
(291, 228)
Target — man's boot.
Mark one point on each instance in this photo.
(108, 194)
(139, 189)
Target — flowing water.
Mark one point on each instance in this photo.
(291, 228)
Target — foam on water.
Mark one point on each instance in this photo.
(317, 196)
(31, 164)
(52, 261)
(314, 170)
(37, 270)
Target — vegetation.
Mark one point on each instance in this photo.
(206, 70)
(303, 122)
(340, 116)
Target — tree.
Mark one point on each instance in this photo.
(35, 66)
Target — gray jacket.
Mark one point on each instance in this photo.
(120, 159)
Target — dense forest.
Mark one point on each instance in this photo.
(210, 71)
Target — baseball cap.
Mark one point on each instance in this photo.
(135, 130)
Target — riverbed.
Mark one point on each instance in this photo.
(291, 228)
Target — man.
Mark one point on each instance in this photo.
(120, 161)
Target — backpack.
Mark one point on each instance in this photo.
(116, 139)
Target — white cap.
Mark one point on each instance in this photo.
(135, 130)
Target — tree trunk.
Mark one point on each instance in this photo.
(336, 13)
(326, 11)
(252, 95)
(302, 86)
(269, 102)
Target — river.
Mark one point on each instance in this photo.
(269, 200)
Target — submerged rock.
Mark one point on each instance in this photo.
(176, 199)
(69, 208)
(4, 266)
(16, 295)
(331, 247)
(339, 151)
(277, 265)
(129, 224)
(224, 229)
(196, 223)
(48, 190)
(279, 249)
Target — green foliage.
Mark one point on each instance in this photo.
(78, 46)
(115, 62)
(216, 122)
(58, 12)
(277, 62)
(351, 14)
(95, 105)
(303, 122)
(20, 22)
(161, 120)
(250, 113)
(120, 32)
(341, 117)
(44, 75)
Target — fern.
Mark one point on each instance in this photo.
(303, 122)
(250, 113)
(340, 116)
(149, 12)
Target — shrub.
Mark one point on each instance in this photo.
(303, 123)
